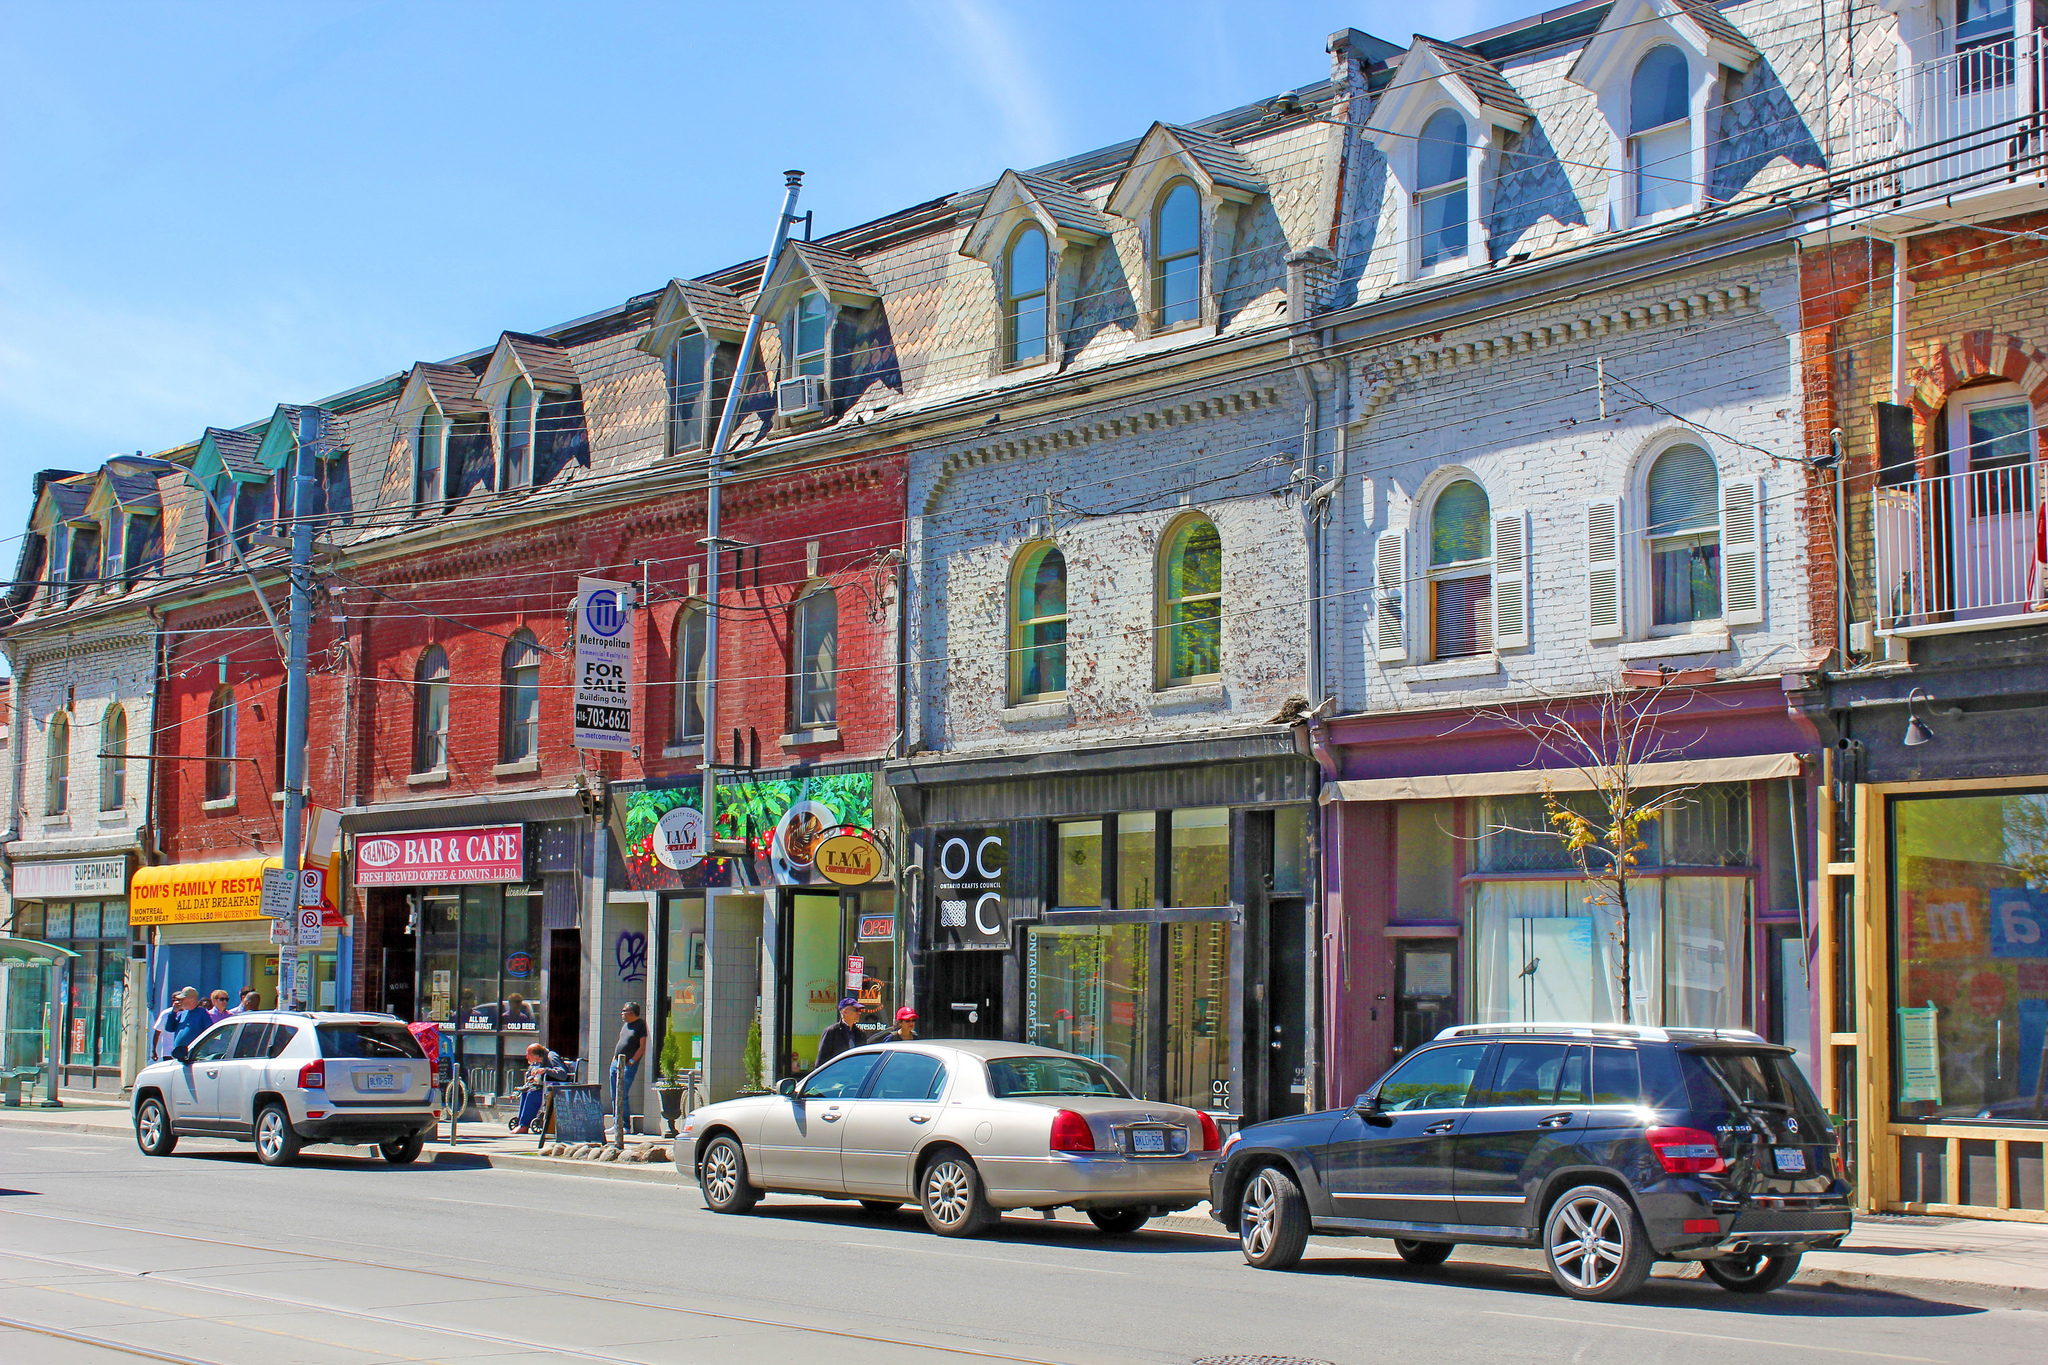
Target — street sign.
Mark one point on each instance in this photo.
(302, 991)
(309, 926)
(287, 976)
(283, 932)
(278, 888)
(310, 881)
(604, 664)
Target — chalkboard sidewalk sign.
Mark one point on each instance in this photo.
(575, 1113)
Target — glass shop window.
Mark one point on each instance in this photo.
(1199, 856)
(1080, 863)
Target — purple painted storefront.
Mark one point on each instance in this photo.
(1439, 910)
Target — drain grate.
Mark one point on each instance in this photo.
(1260, 1360)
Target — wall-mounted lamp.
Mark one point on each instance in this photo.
(1917, 732)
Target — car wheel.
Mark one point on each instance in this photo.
(153, 1129)
(403, 1151)
(881, 1206)
(1753, 1274)
(1595, 1245)
(1423, 1253)
(951, 1194)
(276, 1143)
(1272, 1220)
(724, 1178)
(1120, 1222)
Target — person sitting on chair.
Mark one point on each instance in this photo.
(542, 1066)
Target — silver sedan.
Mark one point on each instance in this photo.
(966, 1129)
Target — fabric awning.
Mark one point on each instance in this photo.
(195, 893)
(1682, 772)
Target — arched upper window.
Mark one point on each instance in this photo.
(220, 745)
(688, 383)
(814, 680)
(1660, 131)
(516, 435)
(1684, 536)
(689, 657)
(1025, 270)
(1038, 625)
(114, 759)
(1461, 572)
(1191, 604)
(429, 446)
(57, 766)
(519, 700)
(1442, 203)
(1177, 255)
(430, 712)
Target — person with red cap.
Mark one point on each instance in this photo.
(905, 1030)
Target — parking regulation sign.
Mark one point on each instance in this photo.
(278, 888)
(604, 664)
(309, 926)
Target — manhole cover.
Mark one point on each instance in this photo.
(1260, 1360)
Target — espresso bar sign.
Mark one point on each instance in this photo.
(442, 857)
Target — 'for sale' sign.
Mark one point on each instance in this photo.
(604, 664)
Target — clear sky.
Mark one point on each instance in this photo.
(208, 209)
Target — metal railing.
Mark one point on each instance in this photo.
(1957, 548)
(1970, 118)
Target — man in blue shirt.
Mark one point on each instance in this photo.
(188, 1021)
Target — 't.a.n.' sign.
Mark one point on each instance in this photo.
(442, 857)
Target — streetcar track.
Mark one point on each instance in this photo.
(104, 1343)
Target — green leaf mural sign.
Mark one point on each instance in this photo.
(781, 820)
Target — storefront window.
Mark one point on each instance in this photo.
(1136, 838)
(1198, 1015)
(85, 998)
(1290, 851)
(815, 978)
(864, 920)
(1085, 990)
(88, 1026)
(684, 1045)
(113, 982)
(479, 966)
(1970, 916)
(439, 922)
(1200, 857)
(1425, 863)
(1080, 859)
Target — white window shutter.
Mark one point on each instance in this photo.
(1603, 569)
(1511, 580)
(1742, 552)
(1390, 573)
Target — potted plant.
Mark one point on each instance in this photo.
(669, 1082)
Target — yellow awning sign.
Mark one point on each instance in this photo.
(195, 893)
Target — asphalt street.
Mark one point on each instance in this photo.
(109, 1256)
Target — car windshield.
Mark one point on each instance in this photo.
(381, 1042)
(1017, 1077)
(1768, 1081)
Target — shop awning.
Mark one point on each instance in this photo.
(1684, 772)
(29, 952)
(195, 893)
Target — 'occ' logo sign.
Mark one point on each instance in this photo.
(975, 860)
(601, 612)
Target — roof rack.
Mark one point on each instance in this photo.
(1648, 1033)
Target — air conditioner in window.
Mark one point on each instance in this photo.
(801, 396)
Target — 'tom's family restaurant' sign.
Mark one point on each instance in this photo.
(202, 893)
(442, 857)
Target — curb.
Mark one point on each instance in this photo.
(63, 1126)
(655, 1172)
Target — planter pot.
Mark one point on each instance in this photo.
(671, 1107)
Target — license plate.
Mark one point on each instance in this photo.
(381, 1081)
(1149, 1140)
(1791, 1161)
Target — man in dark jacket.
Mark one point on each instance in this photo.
(190, 1020)
(847, 1033)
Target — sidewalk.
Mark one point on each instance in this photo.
(1976, 1263)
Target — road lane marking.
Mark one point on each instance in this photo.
(1000, 1260)
(1713, 1336)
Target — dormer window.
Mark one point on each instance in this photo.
(515, 424)
(84, 562)
(1025, 272)
(430, 446)
(1177, 256)
(810, 335)
(1660, 132)
(219, 502)
(689, 384)
(1442, 202)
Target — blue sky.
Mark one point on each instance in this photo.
(207, 209)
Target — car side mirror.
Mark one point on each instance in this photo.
(786, 1086)
(1368, 1108)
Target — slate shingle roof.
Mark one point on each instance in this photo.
(547, 363)
(133, 489)
(69, 496)
(237, 449)
(1708, 16)
(835, 269)
(1225, 164)
(453, 386)
(1068, 206)
(714, 305)
(1481, 76)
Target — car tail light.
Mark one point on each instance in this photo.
(1071, 1133)
(1686, 1151)
(313, 1076)
(1212, 1137)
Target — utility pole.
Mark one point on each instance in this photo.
(296, 630)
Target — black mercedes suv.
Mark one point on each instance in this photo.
(1608, 1146)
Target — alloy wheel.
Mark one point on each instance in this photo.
(721, 1173)
(1586, 1243)
(270, 1134)
(1260, 1214)
(151, 1124)
(949, 1191)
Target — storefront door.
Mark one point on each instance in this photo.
(966, 995)
(1425, 990)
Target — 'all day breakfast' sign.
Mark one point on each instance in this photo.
(201, 893)
(442, 857)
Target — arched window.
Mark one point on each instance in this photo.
(1191, 604)
(114, 759)
(520, 699)
(220, 745)
(516, 430)
(1660, 131)
(1461, 572)
(430, 712)
(1025, 268)
(689, 657)
(57, 766)
(687, 382)
(1684, 535)
(1442, 205)
(428, 447)
(814, 682)
(1038, 625)
(1177, 255)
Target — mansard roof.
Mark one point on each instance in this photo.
(1167, 149)
(694, 306)
(805, 267)
(226, 450)
(1047, 199)
(1632, 26)
(452, 388)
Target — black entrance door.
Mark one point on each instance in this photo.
(1425, 990)
(966, 995)
(565, 1010)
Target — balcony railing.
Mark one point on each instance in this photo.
(1970, 119)
(1960, 549)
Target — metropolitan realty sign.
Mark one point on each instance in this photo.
(604, 664)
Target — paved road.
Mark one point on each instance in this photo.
(210, 1257)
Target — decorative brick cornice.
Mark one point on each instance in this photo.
(1433, 359)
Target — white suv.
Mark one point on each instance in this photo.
(283, 1080)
